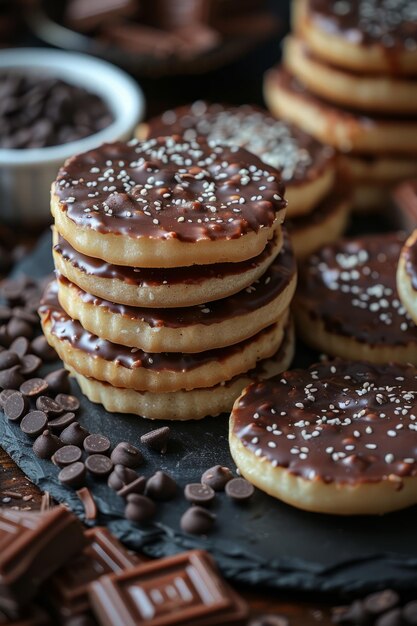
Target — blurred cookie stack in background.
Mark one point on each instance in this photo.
(349, 77)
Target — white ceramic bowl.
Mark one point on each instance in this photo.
(26, 175)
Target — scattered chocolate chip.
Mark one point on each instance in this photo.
(157, 439)
(27, 316)
(99, 465)
(197, 521)
(33, 387)
(58, 382)
(59, 423)
(89, 504)
(66, 455)
(11, 378)
(34, 423)
(136, 486)
(20, 346)
(68, 402)
(74, 434)
(48, 405)
(30, 364)
(6, 393)
(42, 349)
(73, 475)
(239, 489)
(199, 494)
(96, 444)
(121, 476)
(16, 406)
(161, 486)
(269, 620)
(46, 445)
(217, 477)
(381, 601)
(409, 613)
(352, 614)
(5, 313)
(17, 327)
(8, 359)
(127, 455)
(391, 618)
(4, 336)
(139, 508)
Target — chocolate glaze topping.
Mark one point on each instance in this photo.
(351, 287)
(277, 277)
(71, 331)
(152, 277)
(383, 22)
(170, 188)
(340, 421)
(296, 154)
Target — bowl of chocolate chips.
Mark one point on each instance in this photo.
(53, 105)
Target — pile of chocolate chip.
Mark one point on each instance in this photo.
(383, 608)
(39, 111)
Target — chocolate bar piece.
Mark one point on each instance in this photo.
(405, 197)
(183, 589)
(32, 547)
(104, 554)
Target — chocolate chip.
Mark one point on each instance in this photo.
(68, 402)
(161, 486)
(239, 489)
(16, 406)
(269, 620)
(48, 405)
(391, 618)
(8, 359)
(99, 465)
(26, 315)
(197, 521)
(157, 439)
(6, 393)
(5, 313)
(74, 434)
(4, 336)
(199, 494)
(136, 486)
(120, 477)
(66, 455)
(42, 349)
(58, 382)
(33, 387)
(30, 364)
(381, 601)
(11, 378)
(59, 423)
(409, 613)
(353, 614)
(139, 508)
(217, 477)
(96, 444)
(34, 423)
(16, 327)
(73, 475)
(127, 455)
(46, 445)
(20, 346)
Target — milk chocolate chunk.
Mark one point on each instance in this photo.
(157, 439)
(126, 454)
(197, 521)
(187, 585)
(217, 477)
(33, 547)
(139, 508)
(46, 445)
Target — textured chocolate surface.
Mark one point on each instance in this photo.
(296, 154)
(351, 287)
(341, 421)
(169, 188)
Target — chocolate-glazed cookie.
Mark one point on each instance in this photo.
(167, 202)
(347, 303)
(340, 437)
(407, 276)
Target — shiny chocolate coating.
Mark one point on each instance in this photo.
(262, 291)
(383, 22)
(71, 331)
(297, 155)
(338, 421)
(168, 188)
(351, 287)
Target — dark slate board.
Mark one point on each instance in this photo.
(262, 543)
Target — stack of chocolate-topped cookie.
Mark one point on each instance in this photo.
(349, 78)
(317, 211)
(174, 275)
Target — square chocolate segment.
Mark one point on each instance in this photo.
(184, 589)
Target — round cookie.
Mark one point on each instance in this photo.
(307, 166)
(324, 225)
(407, 276)
(189, 329)
(157, 287)
(167, 202)
(371, 198)
(161, 372)
(343, 129)
(370, 169)
(378, 93)
(185, 405)
(338, 438)
(377, 37)
(347, 303)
